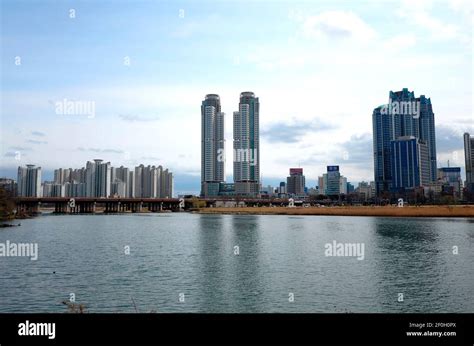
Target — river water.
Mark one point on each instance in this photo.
(182, 262)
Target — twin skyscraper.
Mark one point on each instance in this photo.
(246, 148)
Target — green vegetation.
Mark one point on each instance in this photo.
(198, 203)
(7, 206)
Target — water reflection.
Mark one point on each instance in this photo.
(212, 251)
(246, 266)
(409, 262)
(277, 254)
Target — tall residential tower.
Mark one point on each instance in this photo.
(212, 146)
(469, 157)
(247, 146)
(98, 178)
(29, 181)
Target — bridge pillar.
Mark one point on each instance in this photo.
(60, 207)
(35, 207)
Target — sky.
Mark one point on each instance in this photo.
(319, 69)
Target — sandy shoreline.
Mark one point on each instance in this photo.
(410, 211)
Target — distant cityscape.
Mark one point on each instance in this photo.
(97, 179)
(404, 153)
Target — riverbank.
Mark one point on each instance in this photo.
(407, 211)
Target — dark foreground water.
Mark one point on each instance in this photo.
(192, 256)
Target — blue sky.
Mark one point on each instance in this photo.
(319, 68)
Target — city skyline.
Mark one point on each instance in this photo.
(316, 108)
(317, 182)
(100, 179)
(416, 120)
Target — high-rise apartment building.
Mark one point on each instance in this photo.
(78, 175)
(29, 181)
(153, 182)
(74, 189)
(167, 184)
(247, 146)
(122, 182)
(52, 189)
(62, 175)
(147, 181)
(469, 160)
(98, 178)
(212, 146)
(73, 182)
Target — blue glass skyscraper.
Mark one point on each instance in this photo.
(410, 164)
(404, 115)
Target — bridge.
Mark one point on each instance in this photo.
(86, 205)
(89, 205)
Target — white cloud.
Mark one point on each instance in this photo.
(463, 6)
(419, 13)
(338, 25)
(400, 42)
(298, 81)
(137, 118)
